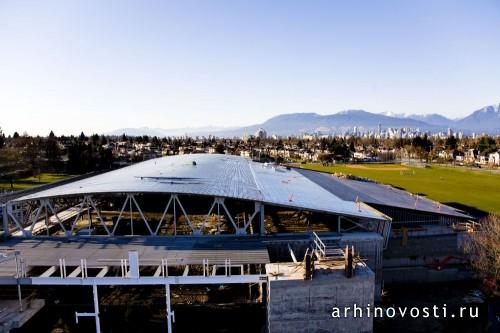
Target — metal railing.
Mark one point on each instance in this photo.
(162, 268)
(319, 245)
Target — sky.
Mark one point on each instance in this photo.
(96, 66)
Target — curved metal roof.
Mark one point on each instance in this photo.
(375, 193)
(214, 175)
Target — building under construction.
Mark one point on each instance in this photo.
(288, 244)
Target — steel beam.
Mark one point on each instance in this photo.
(176, 198)
(262, 221)
(292, 254)
(143, 280)
(131, 216)
(89, 217)
(98, 213)
(46, 219)
(170, 313)
(19, 225)
(103, 272)
(158, 271)
(75, 272)
(48, 204)
(164, 214)
(142, 215)
(256, 211)
(120, 215)
(208, 216)
(221, 202)
(94, 314)
(49, 272)
(77, 215)
(38, 211)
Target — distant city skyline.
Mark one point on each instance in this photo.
(96, 66)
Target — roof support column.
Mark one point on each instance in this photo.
(131, 216)
(6, 231)
(262, 221)
(218, 217)
(89, 217)
(175, 219)
(21, 215)
(46, 217)
(8, 210)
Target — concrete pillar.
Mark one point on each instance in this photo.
(298, 305)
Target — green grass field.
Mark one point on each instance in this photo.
(473, 188)
(28, 182)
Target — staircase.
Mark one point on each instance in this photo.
(327, 249)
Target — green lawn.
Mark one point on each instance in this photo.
(473, 188)
(25, 183)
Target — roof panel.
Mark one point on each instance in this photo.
(375, 193)
(214, 175)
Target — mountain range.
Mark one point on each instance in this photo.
(484, 120)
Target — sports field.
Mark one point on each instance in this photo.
(479, 189)
(28, 182)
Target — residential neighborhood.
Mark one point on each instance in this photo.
(24, 155)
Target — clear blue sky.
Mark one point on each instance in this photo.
(101, 65)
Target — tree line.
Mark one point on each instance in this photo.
(25, 155)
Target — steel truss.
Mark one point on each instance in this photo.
(44, 216)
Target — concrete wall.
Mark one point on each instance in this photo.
(412, 263)
(433, 245)
(306, 305)
(426, 275)
(369, 245)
